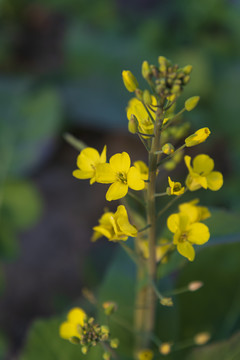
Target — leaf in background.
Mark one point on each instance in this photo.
(224, 350)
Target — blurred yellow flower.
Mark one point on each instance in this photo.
(201, 174)
(198, 137)
(187, 233)
(87, 161)
(145, 354)
(114, 226)
(121, 175)
(193, 211)
(136, 108)
(72, 327)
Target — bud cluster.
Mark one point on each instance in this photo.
(92, 333)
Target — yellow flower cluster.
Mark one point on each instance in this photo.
(118, 172)
(187, 228)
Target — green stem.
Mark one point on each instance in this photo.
(169, 204)
(173, 119)
(160, 194)
(143, 134)
(171, 155)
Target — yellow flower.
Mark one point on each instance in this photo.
(121, 175)
(175, 188)
(145, 354)
(195, 213)
(165, 348)
(129, 80)
(198, 137)
(114, 226)
(87, 161)
(136, 108)
(72, 327)
(202, 174)
(187, 233)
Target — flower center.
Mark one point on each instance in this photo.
(122, 177)
(183, 237)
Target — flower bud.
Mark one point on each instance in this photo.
(133, 124)
(187, 69)
(166, 301)
(202, 338)
(114, 343)
(165, 348)
(191, 103)
(106, 356)
(186, 79)
(195, 285)
(147, 97)
(129, 81)
(198, 137)
(146, 71)
(84, 349)
(176, 89)
(109, 307)
(145, 354)
(139, 94)
(168, 149)
(163, 62)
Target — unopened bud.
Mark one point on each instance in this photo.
(167, 301)
(106, 356)
(146, 71)
(133, 124)
(195, 285)
(202, 338)
(163, 62)
(187, 69)
(186, 79)
(147, 97)
(109, 307)
(176, 89)
(191, 103)
(114, 343)
(129, 81)
(139, 94)
(74, 340)
(165, 348)
(168, 149)
(84, 349)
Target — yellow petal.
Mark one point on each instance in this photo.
(120, 162)
(198, 137)
(214, 180)
(103, 156)
(68, 330)
(198, 233)
(173, 222)
(193, 184)
(187, 160)
(186, 249)
(88, 159)
(105, 174)
(103, 231)
(80, 174)
(77, 316)
(116, 191)
(134, 179)
(203, 164)
(123, 222)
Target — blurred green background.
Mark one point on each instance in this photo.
(60, 70)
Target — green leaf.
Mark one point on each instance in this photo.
(224, 350)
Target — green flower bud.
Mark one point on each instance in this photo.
(191, 103)
(74, 340)
(129, 81)
(110, 306)
(147, 97)
(186, 79)
(84, 350)
(146, 71)
(139, 94)
(176, 89)
(114, 343)
(187, 69)
(168, 149)
(167, 301)
(106, 356)
(163, 62)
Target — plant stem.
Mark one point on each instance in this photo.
(151, 219)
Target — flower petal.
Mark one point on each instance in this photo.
(123, 222)
(198, 233)
(68, 330)
(120, 162)
(77, 316)
(203, 164)
(173, 222)
(187, 160)
(134, 179)
(103, 156)
(214, 180)
(105, 174)
(80, 174)
(186, 249)
(87, 159)
(116, 191)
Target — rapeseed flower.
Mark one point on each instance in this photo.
(145, 354)
(175, 188)
(87, 162)
(195, 212)
(75, 321)
(122, 176)
(136, 108)
(187, 233)
(114, 226)
(201, 174)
